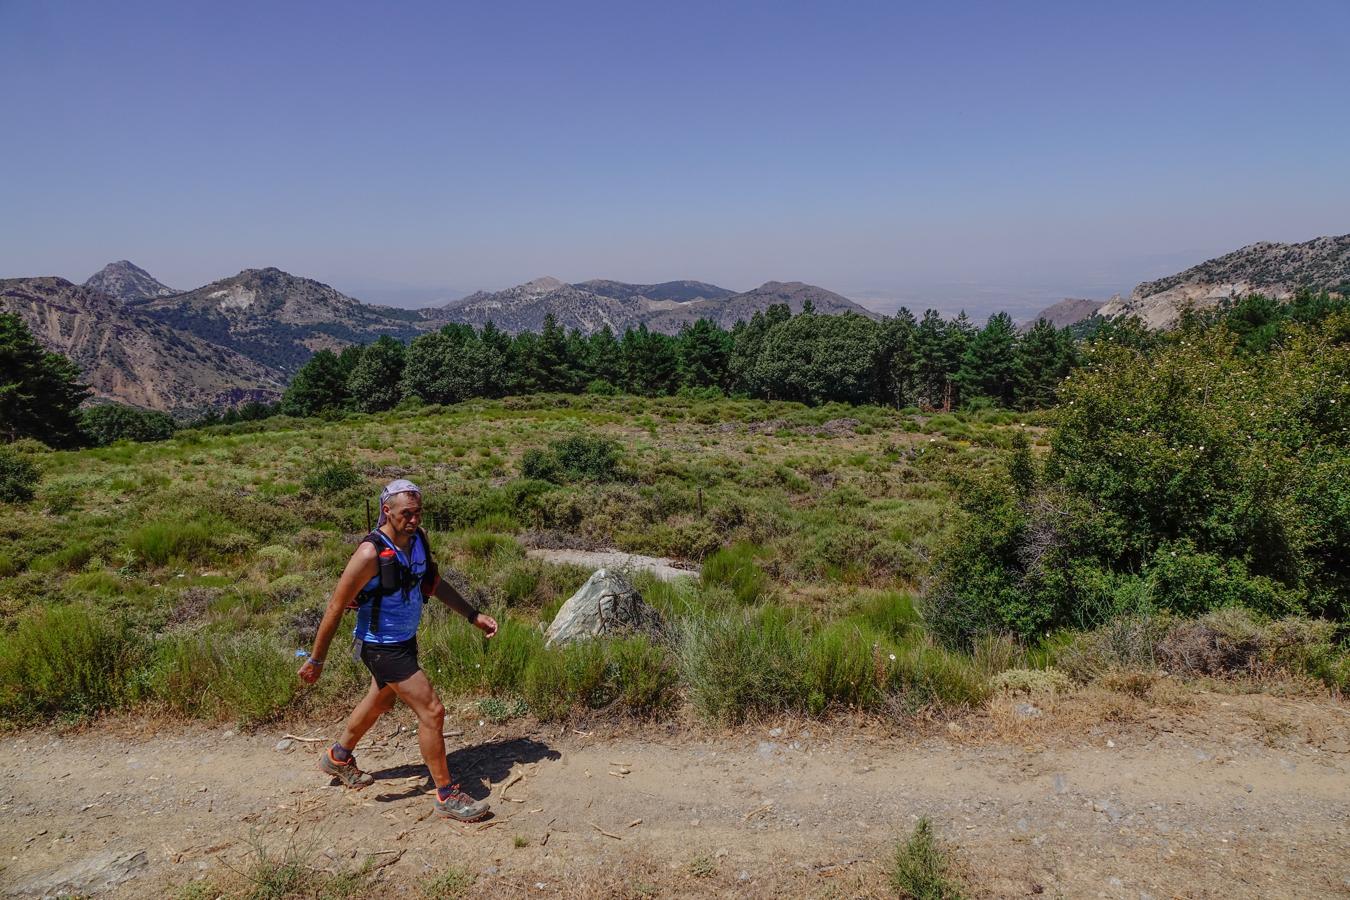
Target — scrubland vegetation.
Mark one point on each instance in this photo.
(1185, 509)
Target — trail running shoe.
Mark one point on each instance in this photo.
(460, 806)
(346, 772)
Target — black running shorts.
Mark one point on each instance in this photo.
(391, 663)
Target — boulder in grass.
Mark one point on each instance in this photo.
(606, 604)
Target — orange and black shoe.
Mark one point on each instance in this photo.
(460, 806)
(346, 772)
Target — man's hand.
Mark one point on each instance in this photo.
(486, 624)
(309, 673)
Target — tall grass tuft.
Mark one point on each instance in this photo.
(68, 661)
(741, 663)
(736, 568)
(922, 867)
(849, 665)
(249, 677)
(892, 613)
(165, 541)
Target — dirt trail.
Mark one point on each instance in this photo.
(1241, 796)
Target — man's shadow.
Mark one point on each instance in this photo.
(475, 768)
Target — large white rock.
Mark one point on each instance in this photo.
(606, 604)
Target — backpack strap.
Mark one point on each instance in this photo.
(432, 578)
(375, 597)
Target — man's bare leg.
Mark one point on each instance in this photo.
(418, 693)
(377, 701)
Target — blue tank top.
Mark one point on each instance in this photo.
(401, 612)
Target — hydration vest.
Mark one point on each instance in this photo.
(395, 578)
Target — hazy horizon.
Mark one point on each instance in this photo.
(980, 156)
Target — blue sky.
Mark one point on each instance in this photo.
(979, 154)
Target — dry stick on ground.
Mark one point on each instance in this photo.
(307, 740)
(388, 862)
(755, 812)
(604, 832)
(506, 787)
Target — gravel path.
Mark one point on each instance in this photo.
(1245, 796)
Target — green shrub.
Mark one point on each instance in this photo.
(1188, 582)
(1186, 474)
(743, 663)
(849, 665)
(892, 613)
(19, 476)
(633, 672)
(247, 676)
(165, 541)
(922, 867)
(647, 675)
(578, 458)
(486, 545)
(332, 478)
(67, 661)
(541, 465)
(929, 674)
(109, 422)
(736, 568)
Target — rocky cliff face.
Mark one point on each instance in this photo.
(592, 305)
(131, 357)
(125, 281)
(1278, 270)
(1069, 311)
(277, 319)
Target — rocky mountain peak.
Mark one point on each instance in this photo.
(125, 281)
(543, 284)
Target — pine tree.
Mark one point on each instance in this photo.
(550, 357)
(40, 393)
(321, 384)
(604, 359)
(897, 375)
(374, 382)
(704, 351)
(1044, 356)
(987, 364)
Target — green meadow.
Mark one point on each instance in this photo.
(179, 578)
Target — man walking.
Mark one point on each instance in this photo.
(386, 581)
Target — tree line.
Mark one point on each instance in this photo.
(899, 361)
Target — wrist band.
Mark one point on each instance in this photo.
(317, 663)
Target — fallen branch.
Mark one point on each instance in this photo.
(604, 832)
(755, 812)
(634, 823)
(506, 787)
(388, 862)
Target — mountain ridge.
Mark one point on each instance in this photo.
(125, 281)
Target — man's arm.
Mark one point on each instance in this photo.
(360, 569)
(450, 597)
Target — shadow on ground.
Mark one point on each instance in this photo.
(475, 769)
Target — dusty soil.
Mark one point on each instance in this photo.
(1097, 796)
(660, 566)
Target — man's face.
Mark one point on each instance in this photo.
(404, 512)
